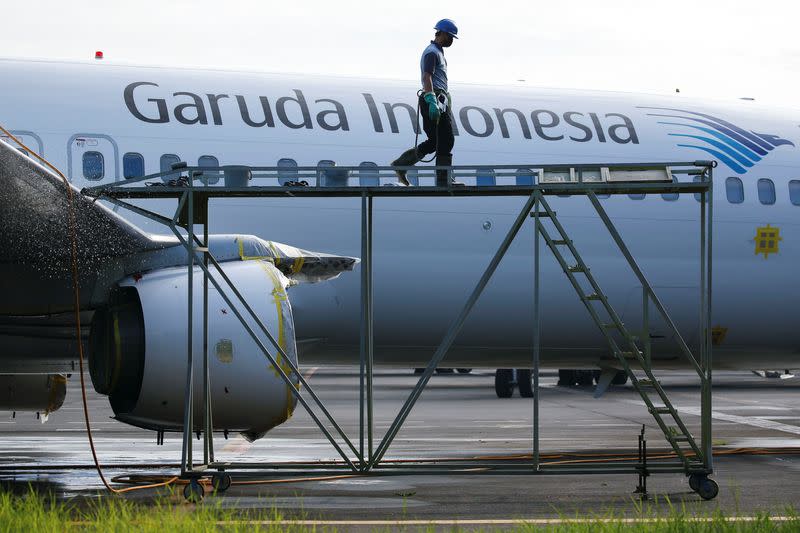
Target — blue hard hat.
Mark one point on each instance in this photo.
(447, 26)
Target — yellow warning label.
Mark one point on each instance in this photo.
(718, 335)
(767, 239)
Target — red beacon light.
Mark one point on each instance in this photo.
(98, 55)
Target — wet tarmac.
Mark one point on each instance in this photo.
(458, 416)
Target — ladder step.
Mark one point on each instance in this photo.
(577, 268)
(542, 214)
(679, 438)
(661, 410)
(630, 355)
(562, 242)
(610, 326)
(645, 382)
(593, 296)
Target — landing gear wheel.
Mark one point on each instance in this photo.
(193, 491)
(464, 370)
(694, 481)
(621, 378)
(585, 378)
(708, 489)
(525, 382)
(566, 378)
(504, 382)
(221, 481)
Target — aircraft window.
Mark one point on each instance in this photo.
(368, 175)
(167, 160)
(766, 191)
(93, 168)
(329, 176)
(24, 152)
(524, 176)
(671, 196)
(132, 165)
(210, 177)
(287, 170)
(794, 192)
(485, 177)
(734, 190)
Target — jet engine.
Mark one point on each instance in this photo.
(139, 344)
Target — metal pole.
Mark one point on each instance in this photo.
(705, 400)
(536, 333)
(208, 445)
(646, 328)
(370, 334)
(186, 465)
(363, 347)
(452, 332)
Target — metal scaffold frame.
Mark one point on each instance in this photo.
(365, 456)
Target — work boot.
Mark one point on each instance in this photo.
(443, 176)
(406, 159)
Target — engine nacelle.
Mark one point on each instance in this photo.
(138, 350)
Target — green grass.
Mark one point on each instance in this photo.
(167, 513)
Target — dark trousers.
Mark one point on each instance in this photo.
(440, 135)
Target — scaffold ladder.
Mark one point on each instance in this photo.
(679, 437)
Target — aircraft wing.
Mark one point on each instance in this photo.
(35, 264)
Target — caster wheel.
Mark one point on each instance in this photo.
(193, 492)
(525, 382)
(504, 382)
(694, 482)
(221, 482)
(464, 370)
(708, 489)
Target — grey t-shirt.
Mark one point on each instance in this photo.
(434, 63)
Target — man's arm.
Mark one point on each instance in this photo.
(427, 82)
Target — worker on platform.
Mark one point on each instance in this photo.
(435, 107)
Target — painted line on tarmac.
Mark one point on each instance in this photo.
(754, 421)
(509, 521)
(745, 420)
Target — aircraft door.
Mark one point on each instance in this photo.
(28, 138)
(93, 159)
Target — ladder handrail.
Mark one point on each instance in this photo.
(619, 325)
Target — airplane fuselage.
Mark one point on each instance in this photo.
(430, 252)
